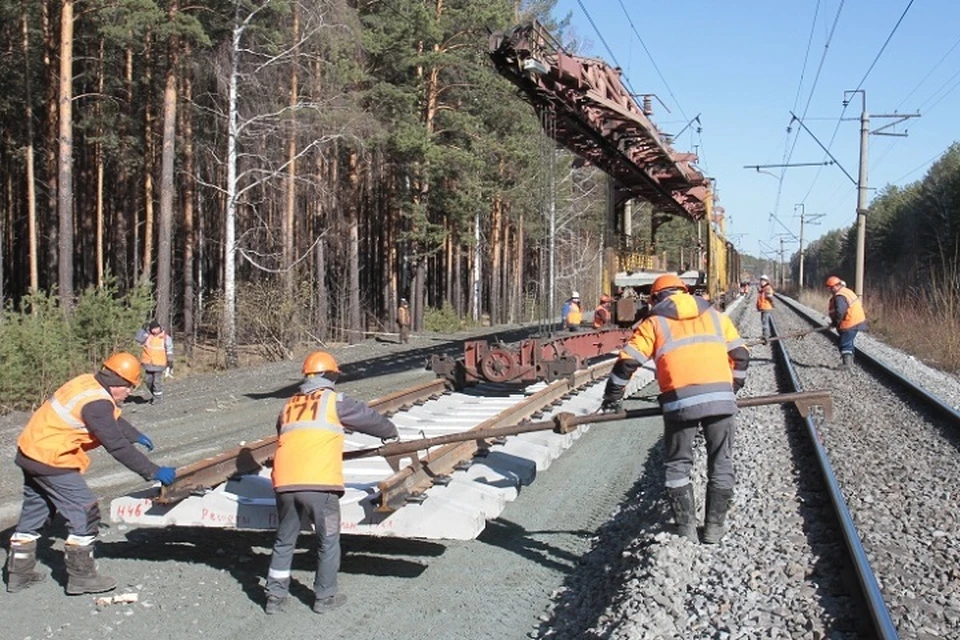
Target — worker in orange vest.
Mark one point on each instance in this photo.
(157, 357)
(403, 320)
(846, 316)
(308, 477)
(572, 313)
(701, 364)
(765, 306)
(52, 450)
(602, 315)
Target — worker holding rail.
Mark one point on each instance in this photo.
(846, 316)
(701, 364)
(52, 450)
(765, 306)
(308, 477)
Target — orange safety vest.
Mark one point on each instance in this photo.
(155, 350)
(601, 317)
(855, 314)
(56, 434)
(574, 315)
(691, 355)
(310, 448)
(765, 298)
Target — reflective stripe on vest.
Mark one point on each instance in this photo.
(155, 350)
(310, 447)
(763, 302)
(56, 434)
(854, 315)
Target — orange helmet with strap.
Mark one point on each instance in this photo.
(833, 281)
(665, 282)
(320, 362)
(124, 365)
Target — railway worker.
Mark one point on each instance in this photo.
(602, 315)
(572, 313)
(846, 316)
(308, 477)
(701, 363)
(765, 306)
(157, 357)
(52, 450)
(403, 320)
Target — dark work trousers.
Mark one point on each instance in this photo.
(765, 324)
(322, 509)
(847, 336)
(404, 333)
(67, 494)
(678, 438)
(153, 379)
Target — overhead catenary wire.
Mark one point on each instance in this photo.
(604, 41)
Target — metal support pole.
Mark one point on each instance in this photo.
(862, 197)
(802, 212)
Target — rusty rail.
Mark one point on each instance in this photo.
(249, 458)
(424, 472)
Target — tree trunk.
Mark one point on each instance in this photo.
(230, 232)
(167, 187)
(288, 218)
(49, 53)
(98, 152)
(148, 160)
(496, 251)
(65, 163)
(353, 251)
(189, 190)
(31, 178)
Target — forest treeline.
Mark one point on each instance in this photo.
(280, 170)
(912, 247)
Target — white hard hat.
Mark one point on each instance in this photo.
(765, 278)
(576, 294)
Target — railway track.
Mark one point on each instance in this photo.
(448, 492)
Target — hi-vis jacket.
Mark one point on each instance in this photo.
(79, 417)
(846, 311)
(311, 428)
(765, 298)
(157, 350)
(701, 361)
(601, 317)
(572, 314)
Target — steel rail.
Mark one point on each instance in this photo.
(945, 409)
(880, 616)
(250, 457)
(411, 481)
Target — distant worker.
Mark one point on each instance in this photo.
(52, 450)
(157, 357)
(744, 288)
(602, 314)
(846, 316)
(308, 477)
(403, 320)
(572, 313)
(701, 364)
(765, 306)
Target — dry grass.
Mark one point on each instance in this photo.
(925, 326)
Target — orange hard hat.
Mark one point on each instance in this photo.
(605, 298)
(667, 281)
(124, 365)
(833, 281)
(320, 362)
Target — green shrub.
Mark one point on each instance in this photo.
(42, 346)
(443, 320)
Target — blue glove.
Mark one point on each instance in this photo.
(146, 442)
(166, 475)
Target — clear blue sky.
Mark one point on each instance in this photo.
(739, 64)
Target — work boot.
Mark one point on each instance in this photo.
(21, 565)
(83, 571)
(274, 605)
(718, 502)
(322, 605)
(684, 507)
(847, 361)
